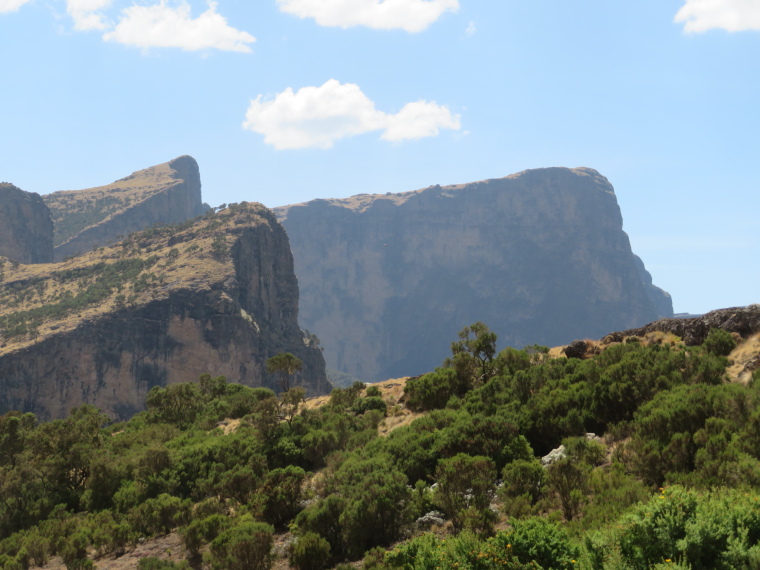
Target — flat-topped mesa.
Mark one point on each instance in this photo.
(164, 194)
(26, 231)
(216, 294)
(387, 281)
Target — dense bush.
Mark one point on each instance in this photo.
(77, 485)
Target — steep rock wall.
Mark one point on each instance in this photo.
(26, 231)
(223, 309)
(387, 281)
(164, 194)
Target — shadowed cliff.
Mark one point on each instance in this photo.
(216, 295)
(387, 281)
(26, 231)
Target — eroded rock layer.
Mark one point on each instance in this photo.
(387, 281)
(166, 305)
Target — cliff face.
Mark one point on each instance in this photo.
(164, 194)
(387, 281)
(215, 295)
(26, 231)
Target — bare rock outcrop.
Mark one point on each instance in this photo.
(164, 194)
(744, 321)
(26, 231)
(387, 281)
(217, 295)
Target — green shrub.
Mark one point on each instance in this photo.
(537, 539)
(309, 552)
(431, 391)
(465, 487)
(246, 546)
(159, 515)
(363, 405)
(373, 392)
(719, 342)
(152, 563)
(523, 477)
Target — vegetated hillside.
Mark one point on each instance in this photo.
(669, 478)
(163, 306)
(164, 194)
(26, 232)
(387, 280)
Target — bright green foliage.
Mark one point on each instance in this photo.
(432, 391)
(465, 489)
(690, 423)
(428, 552)
(323, 518)
(281, 490)
(523, 478)
(536, 539)
(719, 342)
(376, 503)
(666, 409)
(363, 405)
(707, 531)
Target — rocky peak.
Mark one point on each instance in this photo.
(164, 194)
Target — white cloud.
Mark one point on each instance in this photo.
(160, 25)
(11, 5)
(87, 14)
(409, 15)
(471, 29)
(316, 117)
(419, 119)
(730, 15)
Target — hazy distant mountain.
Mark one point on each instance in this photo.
(26, 232)
(388, 280)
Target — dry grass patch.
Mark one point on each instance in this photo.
(744, 359)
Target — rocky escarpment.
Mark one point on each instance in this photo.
(744, 321)
(214, 295)
(164, 194)
(387, 281)
(26, 231)
(663, 304)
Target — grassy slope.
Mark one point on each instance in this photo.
(74, 210)
(52, 298)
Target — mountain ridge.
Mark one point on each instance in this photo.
(540, 255)
(216, 294)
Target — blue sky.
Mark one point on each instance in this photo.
(283, 101)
